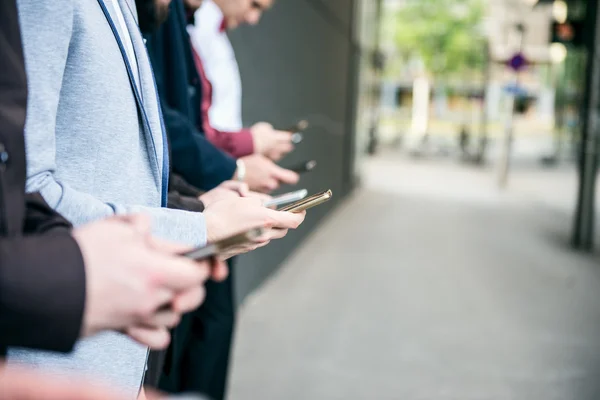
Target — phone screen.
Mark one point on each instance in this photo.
(286, 198)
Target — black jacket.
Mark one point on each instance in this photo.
(193, 157)
(42, 276)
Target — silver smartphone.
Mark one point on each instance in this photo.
(286, 198)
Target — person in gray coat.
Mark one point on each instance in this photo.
(96, 146)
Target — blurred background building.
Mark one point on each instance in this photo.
(312, 60)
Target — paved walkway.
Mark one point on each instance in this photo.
(430, 284)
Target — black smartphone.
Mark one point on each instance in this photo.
(305, 166)
(214, 249)
(297, 130)
(298, 127)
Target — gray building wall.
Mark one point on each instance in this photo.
(298, 64)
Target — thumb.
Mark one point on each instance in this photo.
(243, 189)
(283, 136)
(140, 222)
(240, 187)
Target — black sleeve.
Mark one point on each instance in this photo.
(42, 291)
(42, 275)
(42, 282)
(179, 202)
(181, 186)
(40, 218)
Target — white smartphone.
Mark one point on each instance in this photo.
(286, 198)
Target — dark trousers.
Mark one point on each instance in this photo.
(198, 358)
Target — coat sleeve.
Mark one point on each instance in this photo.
(42, 283)
(181, 186)
(42, 277)
(237, 144)
(193, 157)
(181, 202)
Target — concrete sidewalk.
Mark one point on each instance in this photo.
(429, 284)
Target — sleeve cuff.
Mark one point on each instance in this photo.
(237, 144)
(42, 292)
(244, 144)
(179, 202)
(181, 186)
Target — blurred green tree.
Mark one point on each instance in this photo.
(445, 35)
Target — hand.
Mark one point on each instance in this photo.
(21, 384)
(229, 217)
(269, 142)
(153, 331)
(263, 197)
(226, 190)
(130, 277)
(263, 175)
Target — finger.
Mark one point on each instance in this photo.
(260, 240)
(263, 197)
(179, 273)
(240, 187)
(167, 247)
(220, 271)
(244, 189)
(301, 216)
(140, 222)
(155, 338)
(262, 125)
(263, 244)
(259, 245)
(275, 156)
(280, 151)
(162, 298)
(21, 384)
(276, 233)
(285, 148)
(235, 251)
(270, 184)
(285, 175)
(284, 219)
(283, 137)
(189, 300)
(166, 318)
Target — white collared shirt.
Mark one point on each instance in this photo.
(126, 40)
(221, 67)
